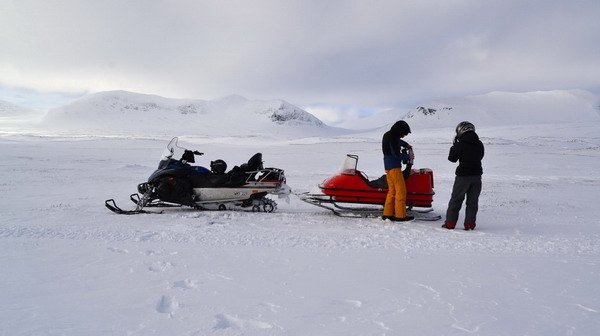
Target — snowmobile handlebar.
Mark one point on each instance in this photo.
(188, 156)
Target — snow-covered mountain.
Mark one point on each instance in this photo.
(508, 108)
(120, 112)
(493, 109)
(133, 114)
(13, 113)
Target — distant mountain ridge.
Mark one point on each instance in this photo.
(15, 116)
(492, 109)
(133, 113)
(506, 108)
(9, 110)
(124, 113)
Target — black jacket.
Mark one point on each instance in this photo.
(468, 150)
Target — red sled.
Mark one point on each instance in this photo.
(352, 186)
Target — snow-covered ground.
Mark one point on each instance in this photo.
(71, 267)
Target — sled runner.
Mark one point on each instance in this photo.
(176, 183)
(350, 193)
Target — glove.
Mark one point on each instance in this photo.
(405, 156)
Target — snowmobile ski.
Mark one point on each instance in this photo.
(326, 202)
(112, 206)
(135, 198)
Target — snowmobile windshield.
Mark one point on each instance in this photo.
(349, 165)
(173, 151)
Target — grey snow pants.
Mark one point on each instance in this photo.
(469, 186)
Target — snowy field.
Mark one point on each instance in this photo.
(72, 267)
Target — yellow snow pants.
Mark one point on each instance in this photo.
(395, 201)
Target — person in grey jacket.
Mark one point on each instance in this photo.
(468, 150)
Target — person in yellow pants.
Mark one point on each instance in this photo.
(393, 157)
(395, 202)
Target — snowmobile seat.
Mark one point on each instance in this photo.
(235, 177)
(254, 163)
(380, 183)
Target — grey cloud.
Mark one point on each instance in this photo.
(362, 53)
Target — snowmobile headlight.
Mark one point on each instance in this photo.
(143, 188)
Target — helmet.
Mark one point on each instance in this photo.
(400, 128)
(218, 167)
(463, 127)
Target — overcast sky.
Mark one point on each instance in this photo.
(350, 55)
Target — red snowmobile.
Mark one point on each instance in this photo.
(364, 198)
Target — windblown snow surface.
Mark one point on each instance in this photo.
(71, 267)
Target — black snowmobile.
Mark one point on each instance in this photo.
(177, 183)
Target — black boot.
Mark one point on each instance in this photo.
(405, 219)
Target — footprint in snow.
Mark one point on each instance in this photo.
(160, 266)
(167, 305)
(225, 321)
(148, 236)
(185, 284)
